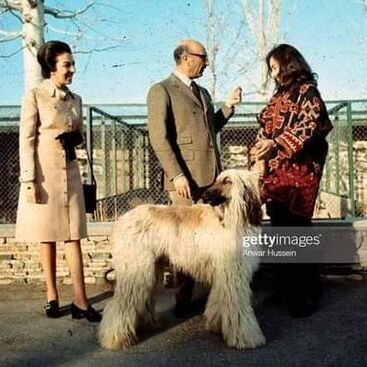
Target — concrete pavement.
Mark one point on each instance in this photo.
(335, 336)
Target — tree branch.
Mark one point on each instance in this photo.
(3, 11)
(96, 50)
(11, 4)
(12, 54)
(274, 19)
(77, 35)
(9, 36)
(250, 19)
(16, 15)
(67, 14)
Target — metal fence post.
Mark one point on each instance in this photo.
(89, 142)
(114, 167)
(337, 152)
(350, 159)
(104, 157)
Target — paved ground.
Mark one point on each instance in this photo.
(334, 336)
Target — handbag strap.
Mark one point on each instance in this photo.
(94, 182)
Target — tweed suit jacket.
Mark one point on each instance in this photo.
(182, 132)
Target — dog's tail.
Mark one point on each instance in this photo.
(131, 302)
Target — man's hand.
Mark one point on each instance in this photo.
(261, 149)
(182, 187)
(234, 97)
(31, 192)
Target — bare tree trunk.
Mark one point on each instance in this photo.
(262, 46)
(31, 14)
(212, 46)
(34, 20)
(265, 32)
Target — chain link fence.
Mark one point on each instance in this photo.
(124, 165)
(344, 185)
(128, 173)
(9, 163)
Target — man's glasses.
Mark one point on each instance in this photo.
(203, 57)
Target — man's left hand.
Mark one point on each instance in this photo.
(234, 97)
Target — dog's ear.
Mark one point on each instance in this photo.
(253, 203)
(219, 211)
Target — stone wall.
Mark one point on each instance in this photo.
(21, 263)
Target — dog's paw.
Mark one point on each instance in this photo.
(247, 343)
(117, 343)
(214, 328)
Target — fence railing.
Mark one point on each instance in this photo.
(128, 173)
(124, 164)
(346, 166)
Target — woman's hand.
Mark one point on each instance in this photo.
(31, 192)
(261, 149)
(259, 168)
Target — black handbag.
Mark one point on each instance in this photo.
(90, 197)
(90, 191)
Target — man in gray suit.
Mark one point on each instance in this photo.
(182, 127)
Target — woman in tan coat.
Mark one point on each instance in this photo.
(51, 204)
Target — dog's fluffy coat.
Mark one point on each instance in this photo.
(203, 240)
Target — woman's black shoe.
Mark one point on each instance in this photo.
(90, 313)
(52, 309)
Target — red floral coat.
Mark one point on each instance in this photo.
(298, 124)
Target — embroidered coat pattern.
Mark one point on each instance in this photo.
(299, 124)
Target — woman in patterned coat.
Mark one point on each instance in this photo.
(291, 148)
(51, 204)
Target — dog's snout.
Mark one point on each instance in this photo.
(213, 197)
(205, 197)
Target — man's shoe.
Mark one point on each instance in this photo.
(183, 298)
(182, 310)
(300, 308)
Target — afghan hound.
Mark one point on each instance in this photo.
(203, 240)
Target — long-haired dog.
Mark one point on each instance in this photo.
(203, 240)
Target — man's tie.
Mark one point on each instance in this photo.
(195, 89)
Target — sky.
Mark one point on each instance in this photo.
(332, 36)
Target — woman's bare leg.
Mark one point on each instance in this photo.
(48, 259)
(75, 261)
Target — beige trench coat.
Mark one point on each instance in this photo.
(59, 214)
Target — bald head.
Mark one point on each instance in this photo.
(186, 47)
(191, 58)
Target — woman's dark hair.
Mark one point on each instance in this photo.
(293, 68)
(47, 53)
